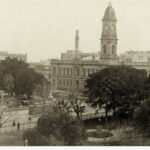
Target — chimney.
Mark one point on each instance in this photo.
(77, 40)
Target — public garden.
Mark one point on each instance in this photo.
(114, 112)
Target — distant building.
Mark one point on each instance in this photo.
(20, 57)
(135, 57)
(42, 67)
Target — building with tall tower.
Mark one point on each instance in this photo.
(69, 73)
(109, 39)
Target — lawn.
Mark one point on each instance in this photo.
(11, 139)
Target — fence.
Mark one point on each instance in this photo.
(92, 116)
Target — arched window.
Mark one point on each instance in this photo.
(67, 82)
(104, 49)
(77, 85)
(71, 71)
(78, 71)
(53, 83)
(67, 71)
(113, 49)
(63, 82)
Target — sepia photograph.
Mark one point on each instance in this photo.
(74, 73)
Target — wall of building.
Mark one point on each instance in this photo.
(71, 75)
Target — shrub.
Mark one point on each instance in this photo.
(141, 114)
(35, 138)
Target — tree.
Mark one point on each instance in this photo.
(106, 93)
(62, 126)
(18, 77)
(8, 83)
(56, 128)
(75, 104)
(125, 92)
(25, 82)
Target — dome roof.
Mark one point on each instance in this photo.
(109, 13)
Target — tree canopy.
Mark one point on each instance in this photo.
(126, 86)
(58, 128)
(16, 77)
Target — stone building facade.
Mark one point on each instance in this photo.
(135, 57)
(70, 74)
(42, 67)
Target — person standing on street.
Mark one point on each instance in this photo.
(18, 125)
(14, 123)
(26, 142)
(30, 118)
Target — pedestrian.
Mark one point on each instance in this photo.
(29, 118)
(26, 142)
(18, 125)
(99, 119)
(14, 123)
(96, 112)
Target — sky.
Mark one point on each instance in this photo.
(45, 28)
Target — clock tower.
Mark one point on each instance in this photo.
(108, 54)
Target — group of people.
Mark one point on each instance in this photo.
(18, 127)
(18, 124)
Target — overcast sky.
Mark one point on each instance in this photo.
(45, 28)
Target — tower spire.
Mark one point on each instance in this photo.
(109, 39)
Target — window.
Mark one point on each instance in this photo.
(104, 49)
(67, 71)
(113, 49)
(60, 71)
(71, 71)
(84, 72)
(53, 83)
(88, 72)
(54, 70)
(78, 71)
(77, 85)
(63, 71)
